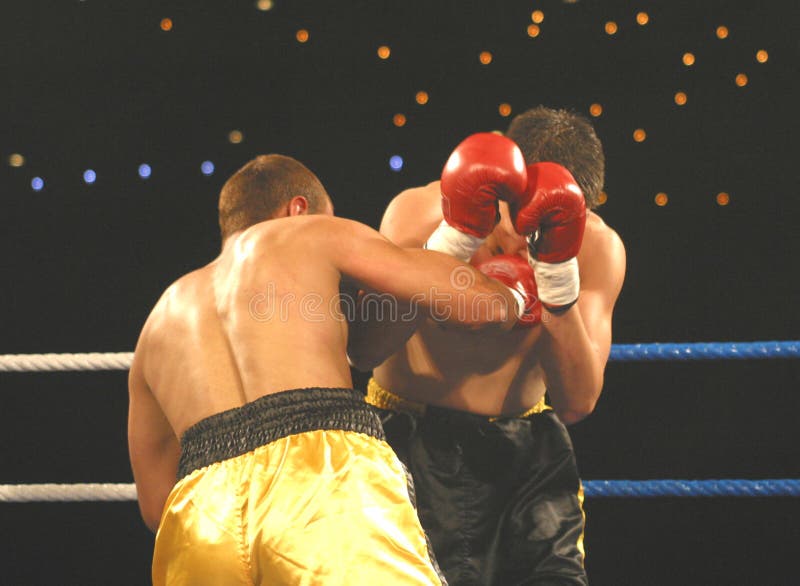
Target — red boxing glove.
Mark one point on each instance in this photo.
(557, 209)
(553, 219)
(515, 273)
(485, 167)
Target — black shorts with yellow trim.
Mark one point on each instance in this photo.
(297, 487)
(500, 497)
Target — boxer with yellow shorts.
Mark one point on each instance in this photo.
(279, 486)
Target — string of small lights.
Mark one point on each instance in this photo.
(144, 171)
(535, 29)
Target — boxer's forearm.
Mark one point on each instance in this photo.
(572, 364)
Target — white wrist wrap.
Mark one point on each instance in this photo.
(558, 283)
(452, 241)
(520, 302)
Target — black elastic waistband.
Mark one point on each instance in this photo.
(237, 431)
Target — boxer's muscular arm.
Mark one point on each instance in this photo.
(577, 344)
(418, 276)
(154, 449)
(408, 221)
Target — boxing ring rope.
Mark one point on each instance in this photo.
(65, 362)
(778, 487)
(66, 493)
(705, 351)
(619, 353)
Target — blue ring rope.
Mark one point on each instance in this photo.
(778, 487)
(705, 351)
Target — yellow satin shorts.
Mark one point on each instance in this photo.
(323, 506)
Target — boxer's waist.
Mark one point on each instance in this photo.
(382, 398)
(240, 430)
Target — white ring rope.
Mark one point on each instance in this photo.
(30, 493)
(65, 362)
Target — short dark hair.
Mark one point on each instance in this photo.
(259, 189)
(566, 138)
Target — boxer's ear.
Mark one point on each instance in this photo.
(297, 206)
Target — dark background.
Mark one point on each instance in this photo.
(99, 85)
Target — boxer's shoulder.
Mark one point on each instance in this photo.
(602, 250)
(413, 215)
(414, 197)
(179, 297)
(600, 235)
(305, 231)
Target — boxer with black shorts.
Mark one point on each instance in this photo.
(497, 485)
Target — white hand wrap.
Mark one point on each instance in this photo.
(452, 241)
(559, 283)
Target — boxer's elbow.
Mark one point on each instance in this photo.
(154, 460)
(575, 414)
(577, 408)
(151, 506)
(363, 351)
(151, 516)
(152, 524)
(364, 361)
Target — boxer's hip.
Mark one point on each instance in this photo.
(296, 487)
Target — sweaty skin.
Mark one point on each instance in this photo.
(264, 317)
(507, 374)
